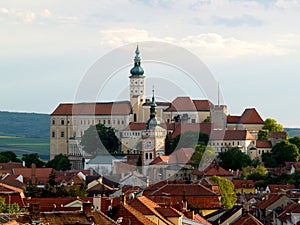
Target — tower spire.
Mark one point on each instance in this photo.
(137, 70)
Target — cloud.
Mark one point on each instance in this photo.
(237, 21)
(18, 15)
(287, 3)
(211, 45)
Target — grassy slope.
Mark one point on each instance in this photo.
(25, 133)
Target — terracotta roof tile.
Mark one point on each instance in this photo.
(247, 219)
(200, 219)
(163, 104)
(168, 212)
(98, 108)
(187, 104)
(249, 116)
(148, 207)
(196, 127)
(263, 144)
(277, 135)
(243, 184)
(275, 188)
(231, 135)
(233, 119)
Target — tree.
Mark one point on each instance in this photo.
(262, 135)
(249, 170)
(200, 151)
(272, 125)
(29, 159)
(285, 151)
(269, 159)
(234, 159)
(8, 156)
(295, 141)
(13, 208)
(60, 163)
(227, 189)
(187, 139)
(99, 139)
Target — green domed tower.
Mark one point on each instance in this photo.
(137, 87)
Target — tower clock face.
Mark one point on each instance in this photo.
(148, 144)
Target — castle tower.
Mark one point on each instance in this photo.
(153, 137)
(137, 87)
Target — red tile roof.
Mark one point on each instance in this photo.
(263, 144)
(49, 204)
(187, 104)
(247, 219)
(268, 201)
(275, 188)
(200, 219)
(131, 215)
(168, 212)
(213, 170)
(180, 156)
(231, 135)
(249, 116)
(277, 135)
(10, 165)
(98, 108)
(165, 104)
(197, 127)
(243, 184)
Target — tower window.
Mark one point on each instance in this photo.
(62, 122)
(146, 155)
(53, 122)
(150, 156)
(53, 134)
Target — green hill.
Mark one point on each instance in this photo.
(292, 131)
(25, 133)
(24, 124)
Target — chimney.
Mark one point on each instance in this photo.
(87, 208)
(34, 211)
(33, 174)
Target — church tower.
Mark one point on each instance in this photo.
(137, 87)
(153, 137)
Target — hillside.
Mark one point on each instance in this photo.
(292, 131)
(24, 124)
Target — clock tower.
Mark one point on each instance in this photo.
(137, 87)
(153, 137)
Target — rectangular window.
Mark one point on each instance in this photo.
(108, 121)
(62, 134)
(53, 134)
(62, 122)
(53, 122)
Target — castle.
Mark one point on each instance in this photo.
(142, 124)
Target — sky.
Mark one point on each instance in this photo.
(250, 47)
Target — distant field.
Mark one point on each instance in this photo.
(21, 146)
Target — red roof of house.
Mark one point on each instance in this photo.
(213, 170)
(288, 165)
(10, 165)
(187, 104)
(197, 127)
(50, 204)
(165, 104)
(138, 126)
(277, 135)
(98, 108)
(231, 135)
(243, 184)
(200, 219)
(247, 219)
(249, 116)
(275, 188)
(148, 207)
(268, 201)
(263, 144)
(180, 156)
